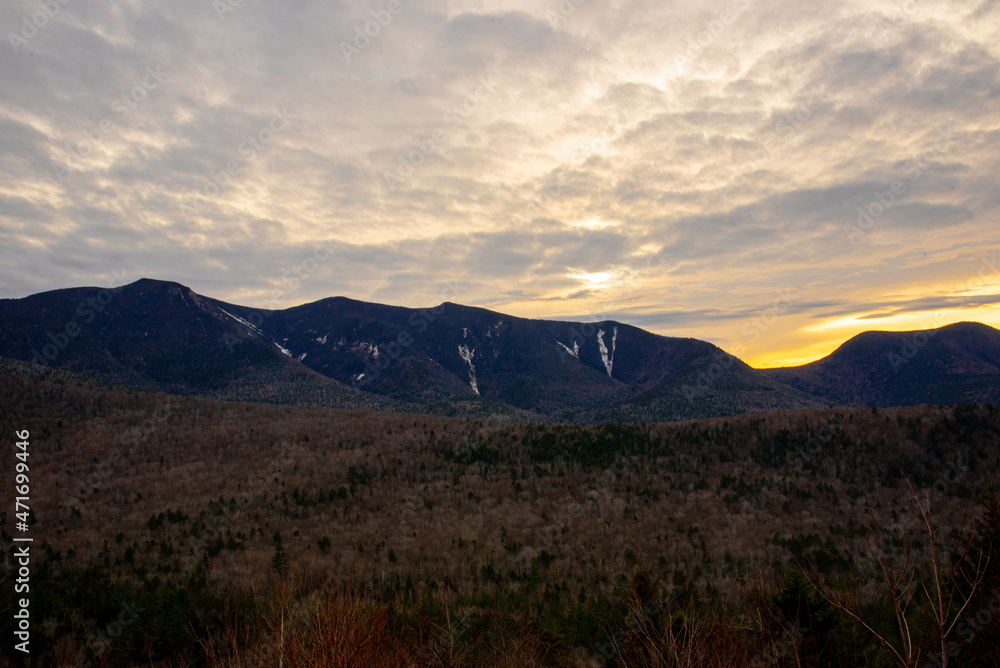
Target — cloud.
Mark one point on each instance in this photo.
(735, 163)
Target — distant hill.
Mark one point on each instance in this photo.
(956, 364)
(459, 360)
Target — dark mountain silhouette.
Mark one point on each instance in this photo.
(340, 352)
(956, 364)
(455, 359)
(563, 370)
(161, 336)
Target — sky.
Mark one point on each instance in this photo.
(769, 175)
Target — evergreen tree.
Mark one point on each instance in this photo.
(279, 562)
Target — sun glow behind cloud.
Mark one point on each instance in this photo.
(593, 224)
(594, 280)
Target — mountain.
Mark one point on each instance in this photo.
(563, 370)
(460, 360)
(449, 359)
(161, 336)
(955, 364)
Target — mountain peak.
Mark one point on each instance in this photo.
(162, 335)
(956, 363)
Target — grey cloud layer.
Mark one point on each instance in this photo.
(741, 159)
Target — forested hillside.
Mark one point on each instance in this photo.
(522, 544)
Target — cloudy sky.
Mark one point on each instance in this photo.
(770, 175)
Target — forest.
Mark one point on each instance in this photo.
(173, 531)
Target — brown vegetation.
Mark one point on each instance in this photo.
(404, 539)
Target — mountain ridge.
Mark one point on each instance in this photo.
(956, 363)
(457, 359)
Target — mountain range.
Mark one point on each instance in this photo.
(461, 360)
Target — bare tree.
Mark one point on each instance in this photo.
(899, 578)
(946, 600)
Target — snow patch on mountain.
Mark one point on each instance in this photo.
(467, 355)
(241, 321)
(608, 359)
(575, 352)
(365, 347)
